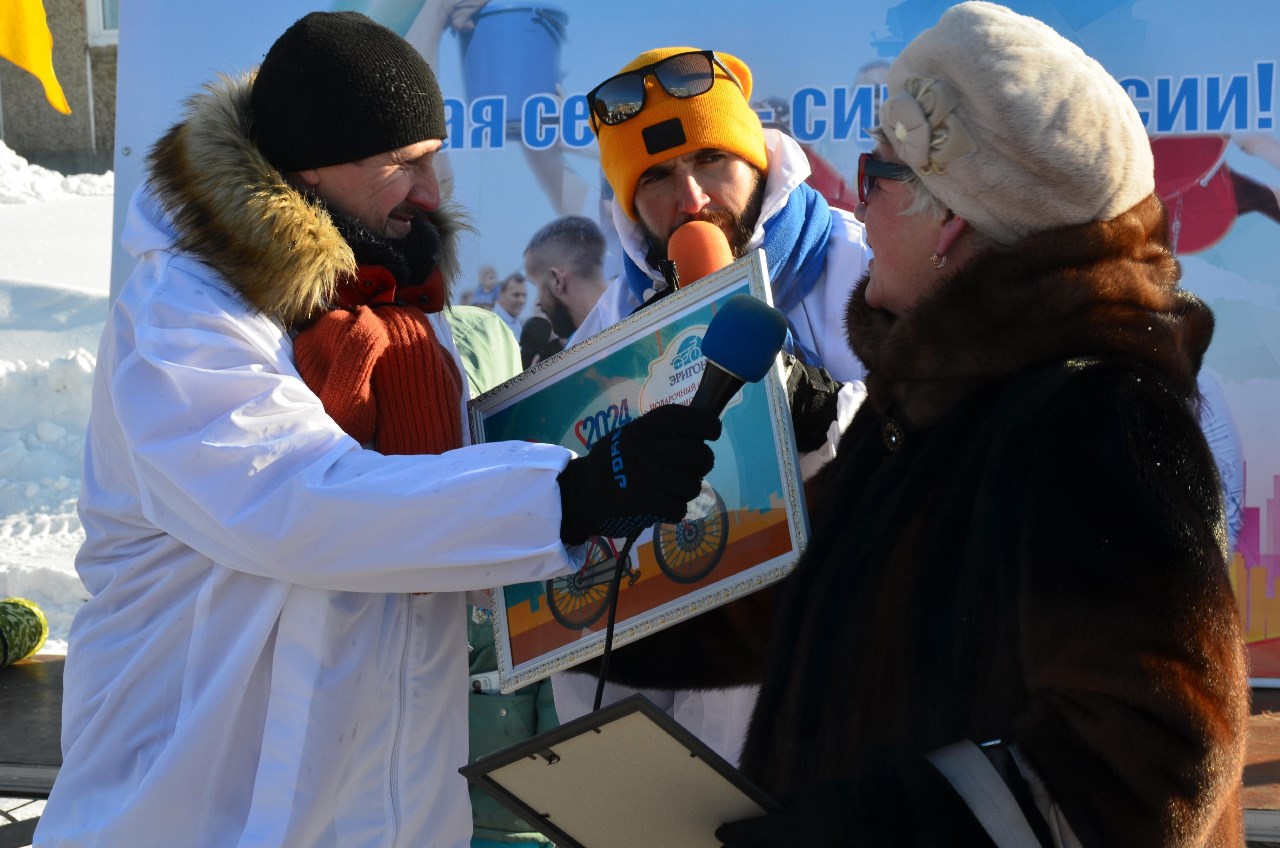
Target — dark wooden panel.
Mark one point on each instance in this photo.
(31, 718)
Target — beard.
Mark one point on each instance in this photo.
(562, 322)
(737, 228)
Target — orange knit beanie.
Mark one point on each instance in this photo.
(722, 118)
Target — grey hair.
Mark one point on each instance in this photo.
(923, 202)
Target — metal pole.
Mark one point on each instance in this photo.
(88, 72)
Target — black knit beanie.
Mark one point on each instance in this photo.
(337, 87)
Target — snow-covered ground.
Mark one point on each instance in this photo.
(55, 259)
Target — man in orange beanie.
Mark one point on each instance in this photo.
(273, 651)
(679, 141)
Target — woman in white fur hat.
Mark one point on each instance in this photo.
(1021, 537)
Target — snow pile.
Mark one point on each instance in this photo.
(56, 230)
(22, 182)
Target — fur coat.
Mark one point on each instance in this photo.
(1021, 538)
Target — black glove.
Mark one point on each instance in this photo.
(812, 392)
(643, 472)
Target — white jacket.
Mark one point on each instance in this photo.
(720, 717)
(252, 668)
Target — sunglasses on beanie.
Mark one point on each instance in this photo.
(684, 75)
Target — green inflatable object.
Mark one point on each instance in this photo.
(23, 629)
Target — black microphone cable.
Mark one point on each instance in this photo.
(615, 589)
(740, 344)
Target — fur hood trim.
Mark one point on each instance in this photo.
(1098, 289)
(275, 246)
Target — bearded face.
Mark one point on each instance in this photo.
(561, 319)
(737, 227)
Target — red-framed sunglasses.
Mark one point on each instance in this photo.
(871, 169)
(684, 75)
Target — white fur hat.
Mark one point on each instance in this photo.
(1013, 127)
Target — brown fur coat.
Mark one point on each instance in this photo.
(1021, 538)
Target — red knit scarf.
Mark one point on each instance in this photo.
(378, 368)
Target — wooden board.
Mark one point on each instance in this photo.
(30, 726)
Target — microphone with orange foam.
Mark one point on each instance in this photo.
(698, 248)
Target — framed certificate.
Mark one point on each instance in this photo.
(744, 531)
(624, 776)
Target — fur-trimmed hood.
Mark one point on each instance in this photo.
(1108, 288)
(231, 209)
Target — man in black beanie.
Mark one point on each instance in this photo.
(273, 651)
(337, 87)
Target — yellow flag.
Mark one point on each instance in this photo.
(26, 41)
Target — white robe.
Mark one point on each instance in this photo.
(251, 667)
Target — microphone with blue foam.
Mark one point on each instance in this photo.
(739, 340)
(742, 341)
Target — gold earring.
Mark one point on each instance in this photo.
(938, 261)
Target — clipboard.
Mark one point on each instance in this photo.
(625, 776)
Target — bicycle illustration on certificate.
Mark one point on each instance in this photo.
(745, 529)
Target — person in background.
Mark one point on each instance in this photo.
(538, 340)
(486, 291)
(490, 354)
(273, 649)
(565, 261)
(1017, 559)
(512, 296)
(679, 141)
